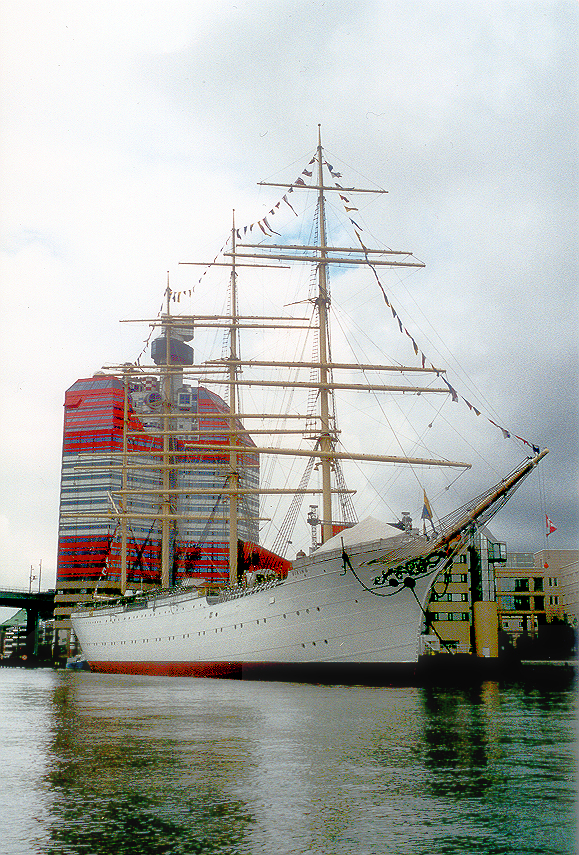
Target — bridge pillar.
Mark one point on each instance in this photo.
(31, 631)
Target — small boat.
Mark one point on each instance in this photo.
(357, 602)
(77, 663)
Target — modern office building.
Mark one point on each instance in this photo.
(91, 479)
(13, 635)
(97, 485)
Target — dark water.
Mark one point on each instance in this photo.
(95, 764)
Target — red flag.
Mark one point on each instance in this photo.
(550, 527)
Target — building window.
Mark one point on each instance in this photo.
(522, 604)
(539, 604)
(521, 585)
(538, 583)
(553, 601)
(553, 582)
(497, 552)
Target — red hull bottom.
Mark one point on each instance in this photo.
(439, 670)
(401, 673)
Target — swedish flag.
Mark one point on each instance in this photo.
(426, 510)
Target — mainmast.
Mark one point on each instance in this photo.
(323, 303)
(322, 255)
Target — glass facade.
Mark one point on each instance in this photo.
(89, 528)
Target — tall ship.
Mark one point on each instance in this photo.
(189, 470)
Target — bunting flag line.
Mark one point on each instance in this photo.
(269, 227)
(176, 296)
(146, 343)
(263, 223)
(287, 203)
(506, 434)
(455, 396)
(550, 527)
(268, 231)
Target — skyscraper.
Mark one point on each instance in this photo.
(115, 428)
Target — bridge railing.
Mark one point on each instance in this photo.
(4, 589)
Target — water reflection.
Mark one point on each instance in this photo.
(126, 784)
(175, 766)
(461, 739)
(500, 768)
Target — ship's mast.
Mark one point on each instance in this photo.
(234, 439)
(167, 394)
(323, 302)
(124, 482)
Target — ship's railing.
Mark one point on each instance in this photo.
(184, 592)
(240, 591)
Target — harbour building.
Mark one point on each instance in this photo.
(533, 589)
(504, 597)
(462, 614)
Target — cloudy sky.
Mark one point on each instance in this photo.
(130, 130)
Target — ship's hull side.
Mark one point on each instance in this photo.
(321, 620)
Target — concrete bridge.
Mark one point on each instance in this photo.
(39, 605)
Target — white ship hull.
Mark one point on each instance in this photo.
(358, 602)
(323, 616)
